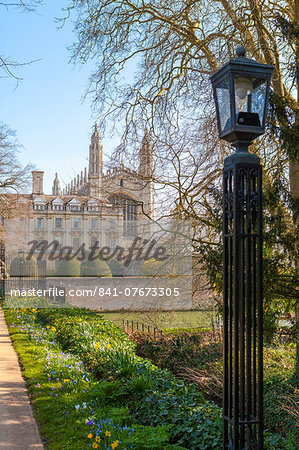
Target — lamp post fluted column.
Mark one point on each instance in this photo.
(242, 303)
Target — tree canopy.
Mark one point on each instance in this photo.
(153, 61)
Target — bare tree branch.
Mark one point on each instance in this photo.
(7, 65)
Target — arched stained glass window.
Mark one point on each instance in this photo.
(129, 207)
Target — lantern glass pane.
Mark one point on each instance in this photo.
(223, 101)
(259, 99)
(242, 104)
(250, 96)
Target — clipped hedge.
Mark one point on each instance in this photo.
(69, 268)
(117, 269)
(95, 268)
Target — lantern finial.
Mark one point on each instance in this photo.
(241, 51)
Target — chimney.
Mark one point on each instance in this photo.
(37, 182)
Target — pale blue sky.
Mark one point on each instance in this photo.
(46, 108)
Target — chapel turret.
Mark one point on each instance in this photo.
(95, 172)
(56, 189)
(95, 153)
(146, 157)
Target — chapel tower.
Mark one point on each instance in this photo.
(95, 172)
(56, 190)
(146, 157)
(145, 172)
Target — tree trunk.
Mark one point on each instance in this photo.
(294, 182)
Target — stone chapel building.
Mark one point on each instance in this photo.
(95, 206)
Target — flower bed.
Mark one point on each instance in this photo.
(91, 390)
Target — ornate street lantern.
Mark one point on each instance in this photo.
(241, 92)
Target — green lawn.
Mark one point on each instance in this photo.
(166, 319)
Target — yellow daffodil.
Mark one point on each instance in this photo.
(98, 439)
(108, 346)
(94, 445)
(48, 326)
(66, 380)
(114, 444)
(89, 435)
(98, 345)
(53, 328)
(107, 433)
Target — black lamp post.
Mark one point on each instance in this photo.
(241, 91)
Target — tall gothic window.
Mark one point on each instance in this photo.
(129, 207)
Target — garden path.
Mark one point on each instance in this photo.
(18, 429)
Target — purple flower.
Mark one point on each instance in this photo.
(67, 413)
(90, 422)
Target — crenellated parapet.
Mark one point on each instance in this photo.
(120, 171)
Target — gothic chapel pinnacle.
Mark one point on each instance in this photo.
(118, 181)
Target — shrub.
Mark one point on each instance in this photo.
(69, 268)
(51, 272)
(162, 268)
(151, 268)
(95, 268)
(117, 269)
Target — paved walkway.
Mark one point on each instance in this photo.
(18, 429)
